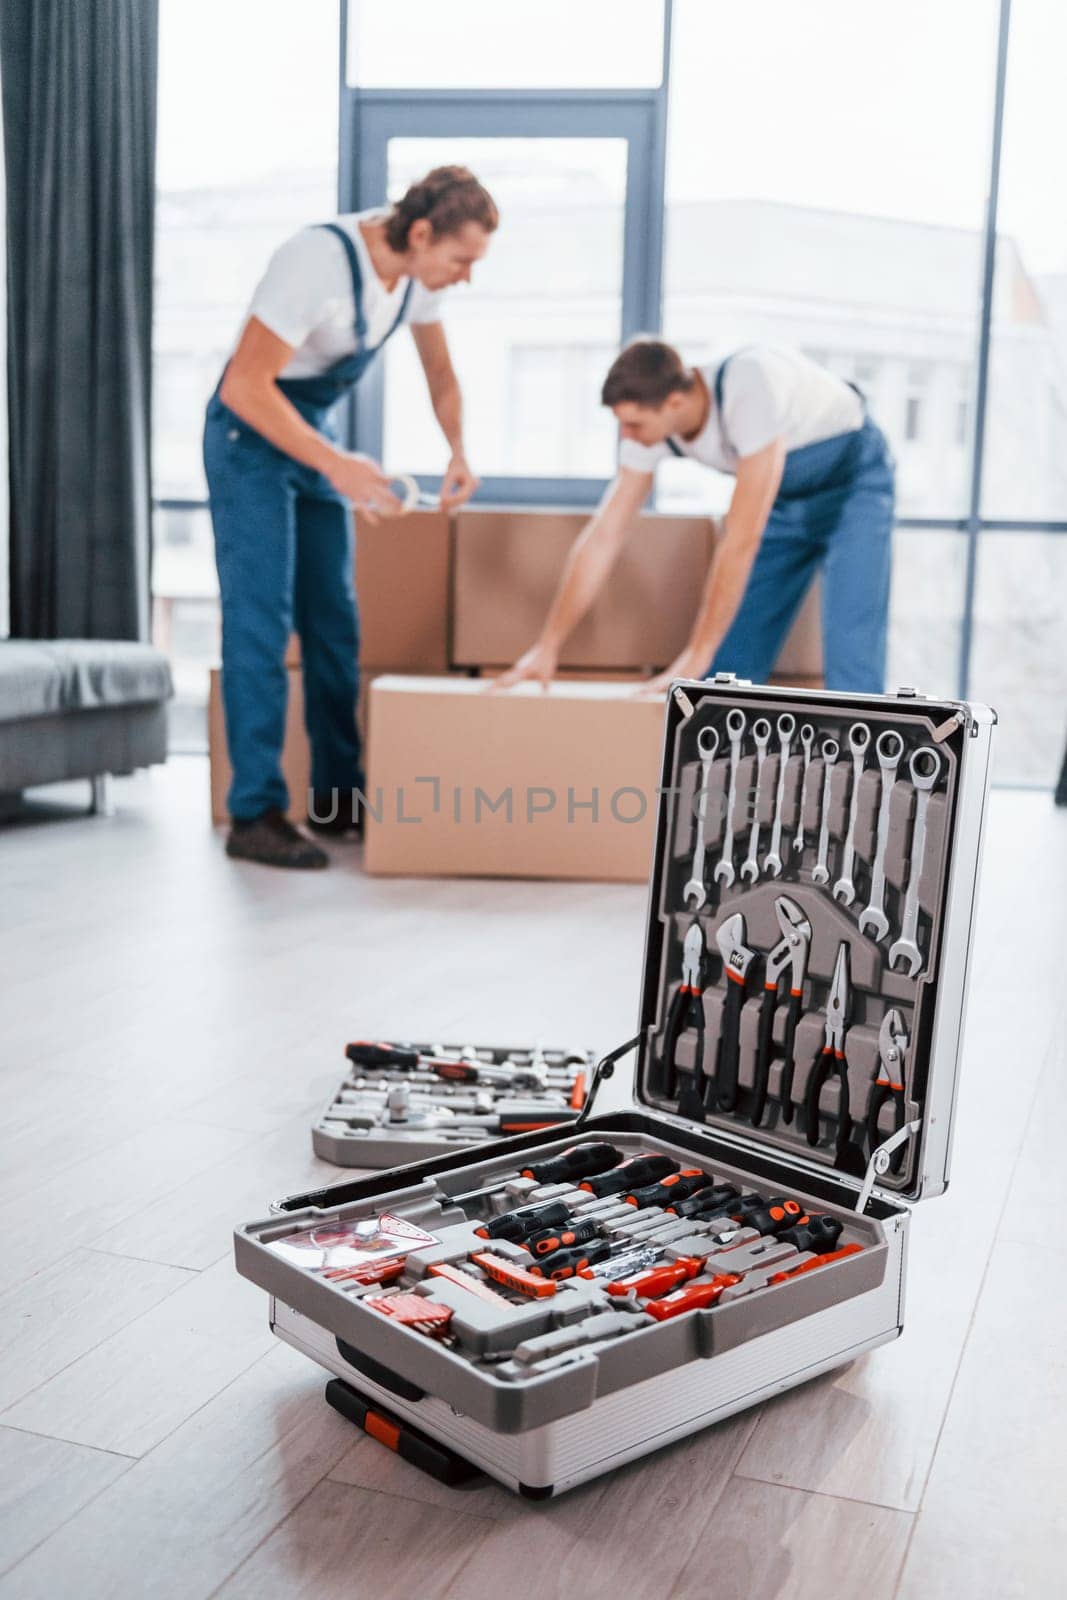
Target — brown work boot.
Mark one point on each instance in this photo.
(272, 840)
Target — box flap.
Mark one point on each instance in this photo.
(809, 924)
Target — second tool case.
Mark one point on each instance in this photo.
(546, 1312)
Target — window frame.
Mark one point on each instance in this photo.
(640, 115)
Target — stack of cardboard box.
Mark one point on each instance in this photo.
(443, 601)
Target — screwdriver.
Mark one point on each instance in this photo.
(553, 1239)
(574, 1163)
(776, 1215)
(817, 1261)
(516, 1225)
(677, 1186)
(658, 1280)
(818, 1233)
(569, 1262)
(705, 1201)
(630, 1259)
(638, 1170)
(693, 1297)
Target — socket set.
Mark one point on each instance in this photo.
(402, 1102)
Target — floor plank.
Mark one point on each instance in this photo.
(183, 1518)
(38, 1335)
(764, 1542)
(133, 1389)
(339, 1536)
(43, 1483)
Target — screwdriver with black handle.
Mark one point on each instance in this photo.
(629, 1175)
(579, 1161)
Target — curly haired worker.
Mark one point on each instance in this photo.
(282, 489)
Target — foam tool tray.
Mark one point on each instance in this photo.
(400, 1101)
(728, 1214)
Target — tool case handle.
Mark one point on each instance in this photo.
(379, 1374)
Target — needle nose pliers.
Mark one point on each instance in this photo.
(686, 1009)
(889, 1084)
(832, 1059)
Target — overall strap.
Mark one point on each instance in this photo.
(357, 280)
(672, 444)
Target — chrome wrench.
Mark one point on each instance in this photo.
(859, 738)
(735, 728)
(772, 861)
(889, 747)
(694, 893)
(807, 739)
(924, 769)
(820, 872)
(761, 734)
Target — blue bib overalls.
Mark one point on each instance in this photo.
(284, 552)
(834, 511)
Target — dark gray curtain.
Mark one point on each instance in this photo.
(79, 95)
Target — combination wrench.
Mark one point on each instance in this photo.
(694, 893)
(889, 747)
(820, 872)
(859, 737)
(807, 739)
(924, 768)
(761, 734)
(772, 861)
(735, 728)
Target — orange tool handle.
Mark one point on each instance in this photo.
(817, 1261)
(694, 1297)
(511, 1276)
(577, 1100)
(657, 1280)
(370, 1272)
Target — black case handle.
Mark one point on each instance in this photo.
(378, 1374)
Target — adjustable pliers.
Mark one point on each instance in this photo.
(889, 1084)
(791, 951)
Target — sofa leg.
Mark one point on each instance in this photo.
(103, 802)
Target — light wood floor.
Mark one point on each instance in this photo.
(169, 1024)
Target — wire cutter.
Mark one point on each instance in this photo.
(790, 951)
(838, 1007)
(889, 1084)
(686, 1009)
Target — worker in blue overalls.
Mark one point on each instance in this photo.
(813, 491)
(282, 489)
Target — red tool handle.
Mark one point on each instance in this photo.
(817, 1261)
(694, 1297)
(657, 1280)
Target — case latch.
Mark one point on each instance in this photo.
(881, 1161)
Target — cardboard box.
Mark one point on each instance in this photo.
(296, 755)
(507, 566)
(800, 658)
(470, 782)
(402, 573)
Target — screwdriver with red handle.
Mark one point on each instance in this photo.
(816, 1261)
(693, 1297)
(659, 1280)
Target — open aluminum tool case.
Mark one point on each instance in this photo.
(382, 1119)
(765, 789)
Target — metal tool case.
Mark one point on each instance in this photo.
(379, 1118)
(864, 815)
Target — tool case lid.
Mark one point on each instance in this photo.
(932, 1003)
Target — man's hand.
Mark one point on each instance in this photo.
(690, 664)
(539, 663)
(458, 485)
(362, 481)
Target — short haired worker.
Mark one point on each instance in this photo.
(813, 492)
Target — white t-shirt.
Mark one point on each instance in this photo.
(305, 297)
(766, 392)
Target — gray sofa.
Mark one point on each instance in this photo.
(79, 708)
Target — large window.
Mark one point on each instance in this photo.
(823, 176)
